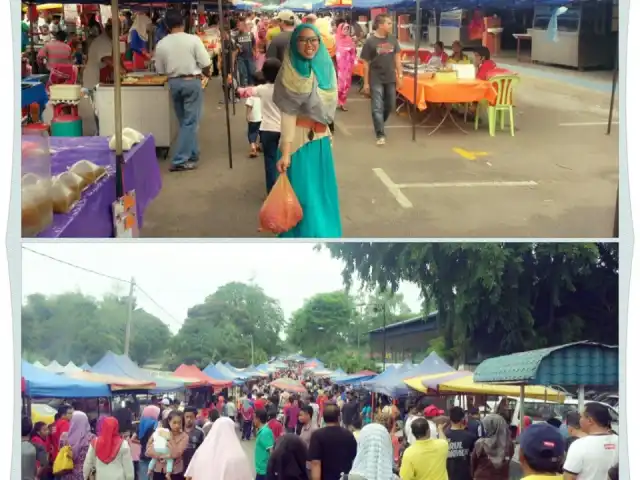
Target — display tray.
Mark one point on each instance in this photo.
(144, 81)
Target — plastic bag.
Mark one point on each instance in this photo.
(73, 181)
(89, 171)
(281, 211)
(63, 197)
(37, 209)
(63, 463)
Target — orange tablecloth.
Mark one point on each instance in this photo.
(358, 69)
(461, 91)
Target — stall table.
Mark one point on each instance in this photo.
(145, 108)
(436, 92)
(92, 216)
(519, 37)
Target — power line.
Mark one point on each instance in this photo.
(111, 277)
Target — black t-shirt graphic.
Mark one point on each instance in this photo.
(336, 449)
(461, 444)
(196, 437)
(380, 53)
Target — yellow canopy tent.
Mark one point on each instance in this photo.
(464, 384)
(116, 383)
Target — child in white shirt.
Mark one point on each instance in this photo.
(270, 119)
(254, 118)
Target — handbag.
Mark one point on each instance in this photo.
(63, 463)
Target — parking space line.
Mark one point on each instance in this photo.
(586, 124)
(528, 183)
(393, 188)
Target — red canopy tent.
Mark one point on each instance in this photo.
(193, 372)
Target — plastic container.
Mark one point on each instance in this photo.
(70, 93)
(63, 197)
(37, 204)
(66, 126)
(89, 171)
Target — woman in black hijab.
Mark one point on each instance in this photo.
(289, 459)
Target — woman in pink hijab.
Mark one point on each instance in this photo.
(345, 59)
(221, 456)
(261, 45)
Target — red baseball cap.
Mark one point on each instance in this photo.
(433, 411)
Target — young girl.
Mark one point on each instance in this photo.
(254, 119)
(270, 124)
(483, 62)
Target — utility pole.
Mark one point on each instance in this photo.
(384, 337)
(127, 335)
(252, 361)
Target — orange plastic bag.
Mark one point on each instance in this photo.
(281, 211)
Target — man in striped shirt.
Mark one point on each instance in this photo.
(56, 52)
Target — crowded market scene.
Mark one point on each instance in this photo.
(417, 109)
(331, 385)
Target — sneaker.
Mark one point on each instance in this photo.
(381, 141)
(183, 167)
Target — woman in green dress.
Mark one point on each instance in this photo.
(307, 96)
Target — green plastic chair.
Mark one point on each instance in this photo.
(503, 85)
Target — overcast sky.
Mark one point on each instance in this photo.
(178, 276)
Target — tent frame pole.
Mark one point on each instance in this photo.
(416, 34)
(117, 97)
(226, 70)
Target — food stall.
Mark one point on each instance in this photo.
(586, 36)
(146, 107)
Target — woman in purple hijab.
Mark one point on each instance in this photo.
(78, 438)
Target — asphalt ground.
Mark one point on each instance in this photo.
(556, 178)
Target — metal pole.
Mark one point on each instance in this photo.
(580, 398)
(226, 70)
(117, 97)
(416, 33)
(521, 409)
(384, 337)
(614, 85)
(127, 335)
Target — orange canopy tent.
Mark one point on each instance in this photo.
(114, 381)
(192, 372)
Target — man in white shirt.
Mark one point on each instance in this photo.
(184, 59)
(591, 457)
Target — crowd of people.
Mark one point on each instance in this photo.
(323, 433)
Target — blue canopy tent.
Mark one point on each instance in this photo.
(394, 385)
(355, 379)
(230, 372)
(85, 366)
(378, 378)
(123, 366)
(339, 373)
(213, 372)
(43, 384)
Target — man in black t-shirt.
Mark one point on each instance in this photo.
(196, 434)
(349, 410)
(280, 42)
(332, 448)
(461, 442)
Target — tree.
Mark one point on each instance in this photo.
(79, 328)
(496, 298)
(222, 326)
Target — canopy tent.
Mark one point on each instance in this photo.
(313, 364)
(191, 371)
(278, 365)
(252, 371)
(115, 382)
(71, 368)
(431, 365)
(38, 364)
(123, 366)
(230, 372)
(288, 385)
(460, 382)
(44, 384)
(356, 378)
(55, 367)
(215, 373)
(391, 383)
(321, 372)
(85, 367)
(295, 357)
(338, 373)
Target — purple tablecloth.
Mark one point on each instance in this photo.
(92, 216)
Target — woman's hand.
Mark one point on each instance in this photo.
(283, 164)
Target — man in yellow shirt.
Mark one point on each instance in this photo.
(541, 452)
(426, 458)
(274, 29)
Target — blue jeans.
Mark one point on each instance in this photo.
(383, 101)
(246, 70)
(187, 98)
(247, 428)
(253, 128)
(143, 469)
(270, 143)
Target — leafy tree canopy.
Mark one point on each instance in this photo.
(498, 298)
